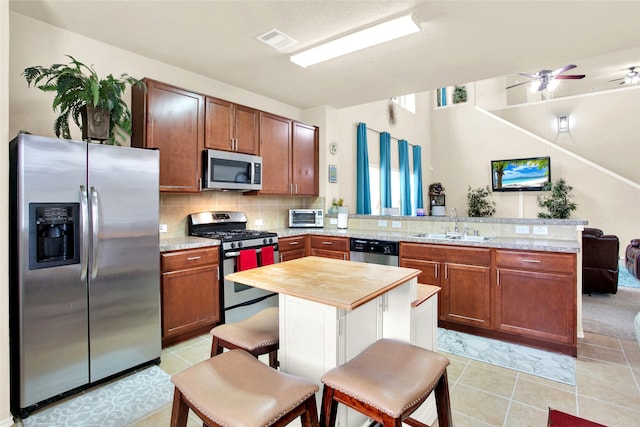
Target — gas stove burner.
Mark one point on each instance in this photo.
(230, 228)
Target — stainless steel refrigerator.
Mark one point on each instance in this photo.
(84, 265)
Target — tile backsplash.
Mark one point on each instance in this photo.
(272, 210)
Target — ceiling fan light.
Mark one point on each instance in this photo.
(535, 86)
(553, 84)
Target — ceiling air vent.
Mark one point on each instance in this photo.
(277, 39)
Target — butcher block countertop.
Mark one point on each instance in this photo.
(337, 283)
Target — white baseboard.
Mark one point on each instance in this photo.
(7, 422)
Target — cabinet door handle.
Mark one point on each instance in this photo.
(498, 278)
(446, 271)
(531, 260)
(193, 258)
(437, 270)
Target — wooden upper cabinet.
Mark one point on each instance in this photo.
(275, 143)
(231, 127)
(304, 164)
(170, 119)
(289, 153)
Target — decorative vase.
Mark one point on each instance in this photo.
(95, 123)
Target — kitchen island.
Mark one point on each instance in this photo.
(331, 310)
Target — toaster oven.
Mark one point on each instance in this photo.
(306, 218)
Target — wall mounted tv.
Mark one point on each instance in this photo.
(529, 174)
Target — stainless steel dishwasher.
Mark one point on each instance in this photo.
(384, 252)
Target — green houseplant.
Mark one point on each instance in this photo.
(558, 203)
(459, 94)
(79, 92)
(477, 203)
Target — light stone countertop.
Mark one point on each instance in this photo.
(186, 242)
(523, 243)
(547, 245)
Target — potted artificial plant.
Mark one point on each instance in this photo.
(558, 203)
(478, 204)
(80, 93)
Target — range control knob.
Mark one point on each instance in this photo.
(239, 244)
(233, 245)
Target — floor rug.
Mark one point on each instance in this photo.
(561, 419)
(545, 364)
(611, 314)
(115, 404)
(625, 278)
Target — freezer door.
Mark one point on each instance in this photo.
(48, 301)
(124, 266)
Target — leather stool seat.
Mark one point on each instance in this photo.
(387, 382)
(257, 334)
(235, 389)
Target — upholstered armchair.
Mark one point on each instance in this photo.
(599, 262)
(632, 258)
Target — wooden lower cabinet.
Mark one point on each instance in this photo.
(526, 297)
(190, 293)
(329, 247)
(292, 247)
(536, 296)
(464, 275)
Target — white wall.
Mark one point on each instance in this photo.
(36, 43)
(465, 140)
(5, 414)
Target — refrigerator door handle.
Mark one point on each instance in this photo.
(95, 221)
(84, 218)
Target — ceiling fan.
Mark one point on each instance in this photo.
(631, 77)
(548, 79)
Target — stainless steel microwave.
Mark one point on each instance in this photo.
(306, 218)
(225, 170)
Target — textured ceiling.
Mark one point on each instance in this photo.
(460, 41)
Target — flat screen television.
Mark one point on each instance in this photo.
(529, 174)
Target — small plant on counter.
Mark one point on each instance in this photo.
(335, 204)
(558, 203)
(477, 203)
(436, 188)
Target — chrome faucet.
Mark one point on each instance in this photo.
(454, 215)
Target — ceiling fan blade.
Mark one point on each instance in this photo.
(533, 76)
(563, 69)
(570, 77)
(518, 84)
(615, 80)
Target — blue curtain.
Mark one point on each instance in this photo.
(363, 187)
(385, 170)
(405, 176)
(417, 176)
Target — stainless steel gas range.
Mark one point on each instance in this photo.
(230, 227)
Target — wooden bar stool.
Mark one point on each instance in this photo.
(258, 335)
(236, 389)
(387, 382)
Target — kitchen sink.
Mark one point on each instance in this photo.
(455, 236)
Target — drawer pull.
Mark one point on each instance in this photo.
(193, 258)
(531, 260)
(326, 243)
(293, 243)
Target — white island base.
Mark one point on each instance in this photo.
(316, 337)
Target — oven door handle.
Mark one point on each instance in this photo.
(237, 253)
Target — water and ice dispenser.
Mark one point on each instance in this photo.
(54, 233)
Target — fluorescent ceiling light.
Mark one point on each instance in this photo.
(371, 36)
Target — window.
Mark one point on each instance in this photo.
(408, 102)
(374, 177)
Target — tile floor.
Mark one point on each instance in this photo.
(607, 390)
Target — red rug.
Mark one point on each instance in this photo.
(560, 419)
